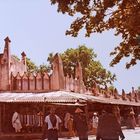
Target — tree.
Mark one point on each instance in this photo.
(50, 60)
(31, 66)
(92, 70)
(100, 15)
(43, 68)
(138, 89)
(15, 57)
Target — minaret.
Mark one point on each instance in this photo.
(5, 67)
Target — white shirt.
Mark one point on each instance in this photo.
(48, 121)
(16, 122)
(95, 121)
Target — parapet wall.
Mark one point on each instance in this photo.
(42, 82)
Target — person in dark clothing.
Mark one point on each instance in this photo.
(109, 127)
(80, 124)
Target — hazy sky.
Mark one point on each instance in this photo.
(34, 26)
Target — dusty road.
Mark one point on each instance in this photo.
(130, 134)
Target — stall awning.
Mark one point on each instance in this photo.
(50, 97)
(65, 97)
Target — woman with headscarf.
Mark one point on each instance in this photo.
(67, 117)
(131, 120)
(69, 124)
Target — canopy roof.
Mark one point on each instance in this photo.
(63, 97)
(50, 97)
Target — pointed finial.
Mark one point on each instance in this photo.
(23, 54)
(7, 39)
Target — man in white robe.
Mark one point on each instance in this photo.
(16, 123)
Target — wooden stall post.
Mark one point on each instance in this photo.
(3, 116)
(0, 118)
(86, 112)
(44, 125)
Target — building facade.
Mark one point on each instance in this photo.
(15, 78)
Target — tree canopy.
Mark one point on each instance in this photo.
(93, 71)
(100, 15)
(138, 89)
(31, 66)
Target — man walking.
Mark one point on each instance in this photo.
(52, 122)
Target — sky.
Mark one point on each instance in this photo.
(35, 27)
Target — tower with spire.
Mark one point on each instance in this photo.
(5, 59)
(8, 65)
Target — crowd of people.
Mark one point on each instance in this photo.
(105, 125)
